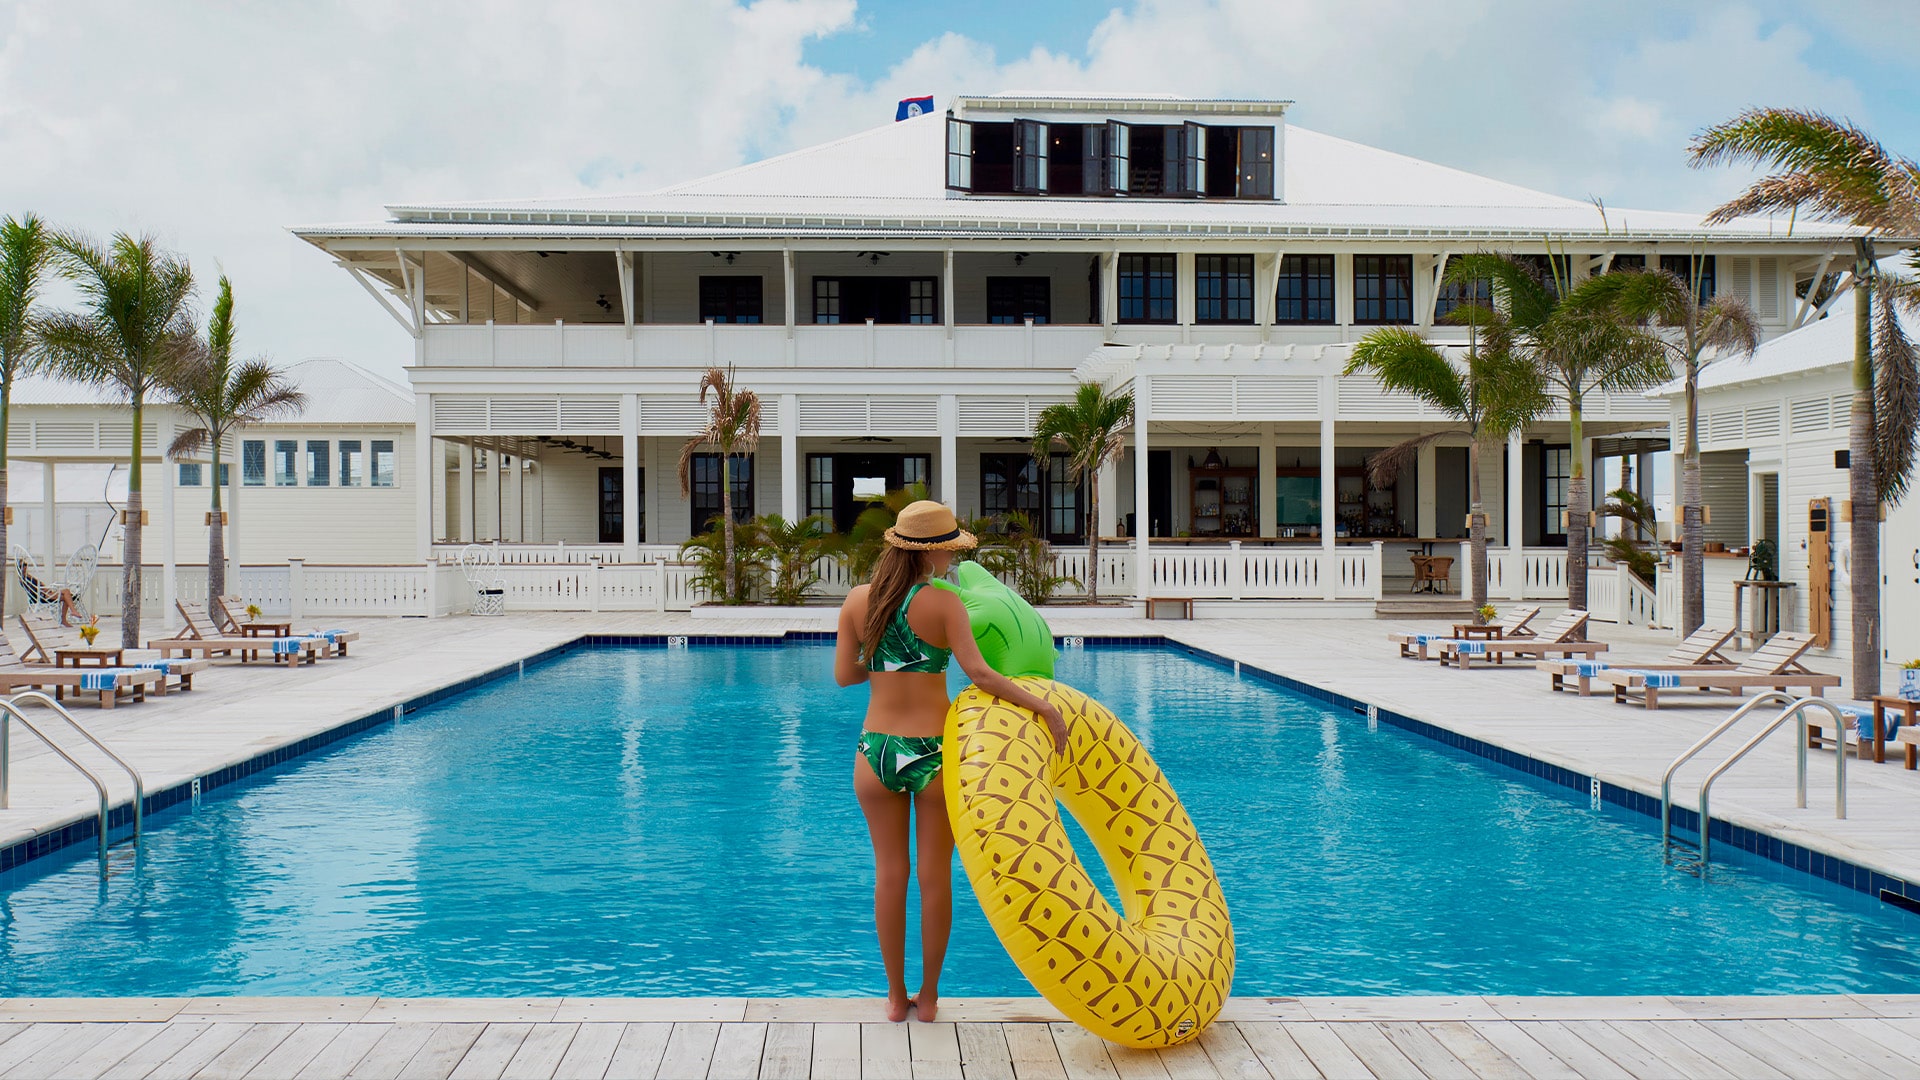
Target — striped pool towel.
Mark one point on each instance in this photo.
(1470, 648)
(1862, 718)
(1429, 639)
(329, 635)
(283, 646)
(165, 667)
(104, 679)
(1659, 680)
(1587, 669)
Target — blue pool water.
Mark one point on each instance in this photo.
(680, 822)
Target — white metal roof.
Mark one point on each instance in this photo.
(890, 180)
(338, 392)
(1826, 343)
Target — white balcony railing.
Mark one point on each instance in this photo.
(860, 345)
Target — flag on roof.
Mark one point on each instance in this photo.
(913, 106)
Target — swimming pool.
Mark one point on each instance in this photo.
(653, 821)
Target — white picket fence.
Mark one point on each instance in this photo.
(1614, 595)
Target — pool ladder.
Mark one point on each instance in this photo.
(11, 710)
(1796, 709)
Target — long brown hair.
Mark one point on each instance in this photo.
(896, 572)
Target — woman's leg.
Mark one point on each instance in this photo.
(886, 813)
(935, 838)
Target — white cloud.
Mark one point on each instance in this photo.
(216, 126)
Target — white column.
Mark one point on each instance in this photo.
(169, 566)
(49, 508)
(1185, 301)
(1426, 480)
(467, 533)
(1266, 486)
(1109, 481)
(1110, 314)
(236, 478)
(423, 479)
(946, 309)
(949, 425)
(1142, 503)
(516, 530)
(1329, 495)
(1516, 512)
(630, 477)
(793, 480)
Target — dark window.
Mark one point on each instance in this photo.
(1017, 299)
(1147, 289)
(1556, 472)
(1066, 516)
(1546, 269)
(383, 472)
(1305, 292)
(993, 158)
(253, 463)
(1066, 159)
(820, 484)
(1687, 267)
(916, 469)
(1223, 288)
(1030, 157)
(1014, 484)
(317, 463)
(1254, 177)
(1146, 159)
(613, 505)
(352, 464)
(1383, 289)
(1455, 293)
(189, 474)
(882, 299)
(731, 299)
(705, 477)
(1185, 169)
(959, 155)
(1223, 151)
(1627, 262)
(286, 462)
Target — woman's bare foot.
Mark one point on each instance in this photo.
(897, 1007)
(926, 1006)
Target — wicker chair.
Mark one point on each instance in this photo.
(480, 564)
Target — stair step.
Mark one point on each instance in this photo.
(1454, 609)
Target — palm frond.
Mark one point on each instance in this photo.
(1090, 428)
(1527, 298)
(1896, 406)
(26, 254)
(1385, 466)
(1407, 363)
(1729, 326)
(1832, 168)
(1509, 392)
(188, 443)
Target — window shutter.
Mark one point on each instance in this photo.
(1119, 143)
(1030, 157)
(1190, 178)
(1093, 160)
(959, 155)
(1255, 180)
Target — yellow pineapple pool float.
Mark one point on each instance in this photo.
(1157, 974)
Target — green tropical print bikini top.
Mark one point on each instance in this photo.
(900, 649)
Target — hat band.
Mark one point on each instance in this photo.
(952, 534)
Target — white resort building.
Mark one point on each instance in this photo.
(905, 300)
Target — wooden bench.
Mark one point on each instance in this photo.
(1183, 603)
(1909, 738)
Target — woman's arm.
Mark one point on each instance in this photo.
(847, 668)
(953, 616)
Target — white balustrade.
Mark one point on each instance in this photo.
(608, 345)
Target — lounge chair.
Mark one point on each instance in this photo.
(45, 636)
(109, 684)
(1701, 649)
(1512, 625)
(198, 636)
(1774, 666)
(1557, 637)
(230, 618)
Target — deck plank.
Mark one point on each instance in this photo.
(788, 1054)
(441, 1053)
(1581, 1057)
(1730, 1055)
(1231, 1054)
(1082, 1053)
(1603, 1036)
(1276, 1049)
(1676, 1051)
(1789, 1055)
(1880, 1056)
(341, 1056)
(736, 1053)
(642, 1046)
(35, 1039)
(1328, 1053)
(983, 1052)
(197, 1054)
(104, 1054)
(1523, 1049)
(689, 1050)
(487, 1058)
(78, 1039)
(836, 1050)
(934, 1051)
(236, 1061)
(1487, 1061)
(540, 1052)
(1372, 1046)
(884, 1053)
(591, 1051)
(1187, 1062)
(396, 1046)
(1134, 1064)
(1869, 1029)
(1034, 1055)
(1428, 1054)
(295, 1051)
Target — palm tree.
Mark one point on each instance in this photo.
(1090, 427)
(733, 427)
(26, 252)
(222, 398)
(1725, 326)
(133, 332)
(1492, 395)
(1837, 172)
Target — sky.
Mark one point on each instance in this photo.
(216, 126)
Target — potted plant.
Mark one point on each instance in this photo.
(90, 630)
(253, 612)
(1487, 613)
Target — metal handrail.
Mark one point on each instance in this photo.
(10, 710)
(1795, 711)
(1666, 779)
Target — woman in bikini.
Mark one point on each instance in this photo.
(897, 635)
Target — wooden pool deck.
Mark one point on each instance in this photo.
(977, 1039)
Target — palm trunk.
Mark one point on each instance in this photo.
(729, 571)
(130, 560)
(1863, 486)
(1693, 533)
(6, 392)
(1477, 530)
(1093, 539)
(1578, 505)
(216, 538)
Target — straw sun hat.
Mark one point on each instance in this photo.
(929, 526)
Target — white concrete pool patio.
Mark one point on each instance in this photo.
(238, 713)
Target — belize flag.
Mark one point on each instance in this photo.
(913, 106)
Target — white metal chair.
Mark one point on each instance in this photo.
(480, 565)
(82, 565)
(42, 596)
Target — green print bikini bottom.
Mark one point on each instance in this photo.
(904, 763)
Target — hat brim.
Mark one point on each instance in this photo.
(960, 542)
